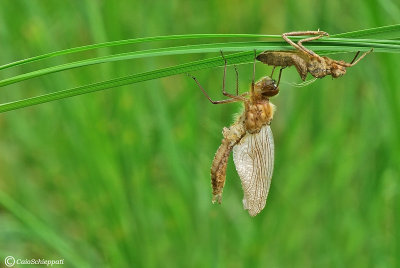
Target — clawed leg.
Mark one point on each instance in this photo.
(237, 80)
(236, 99)
(233, 98)
(223, 80)
(254, 73)
(354, 61)
(280, 74)
(299, 44)
(355, 57)
(272, 73)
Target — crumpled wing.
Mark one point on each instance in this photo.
(254, 161)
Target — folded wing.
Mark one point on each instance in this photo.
(254, 161)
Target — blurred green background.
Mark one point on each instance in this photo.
(120, 178)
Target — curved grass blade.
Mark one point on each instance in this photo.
(324, 46)
(201, 48)
(237, 58)
(131, 42)
(334, 45)
(385, 32)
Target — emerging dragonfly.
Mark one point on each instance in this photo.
(305, 60)
(251, 140)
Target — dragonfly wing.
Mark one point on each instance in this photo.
(254, 161)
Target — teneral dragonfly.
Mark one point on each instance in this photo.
(250, 138)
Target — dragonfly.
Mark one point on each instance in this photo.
(305, 60)
(251, 140)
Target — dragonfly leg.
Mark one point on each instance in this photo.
(224, 78)
(235, 99)
(273, 70)
(280, 74)
(299, 44)
(354, 61)
(254, 72)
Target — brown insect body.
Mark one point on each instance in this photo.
(285, 59)
(232, 136)
(258, 112)
(305, 60)
(250, 136)
(250, 139)
(315, 65)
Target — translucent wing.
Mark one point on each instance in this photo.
(254, 161)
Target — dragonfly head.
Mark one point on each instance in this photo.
(337, 70)
(266, 87)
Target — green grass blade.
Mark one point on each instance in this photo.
(131, 42)
(324, 45)
(385, 32)
(237, 58)
(332, 45)
(201, 48)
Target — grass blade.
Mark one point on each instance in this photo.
(385, 32)
(131, 42)
(328, 45)
(323, 45)
(237, 58)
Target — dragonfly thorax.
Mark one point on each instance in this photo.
(257, 115)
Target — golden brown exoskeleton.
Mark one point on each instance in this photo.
(305, 60)
(251, 140)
